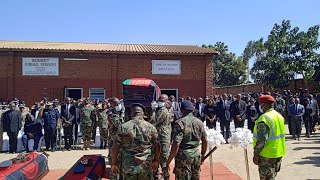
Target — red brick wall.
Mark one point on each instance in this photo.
(253, 88)
(192, 81)
(4, 75)
(100, 71)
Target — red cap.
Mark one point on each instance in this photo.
(266, 99)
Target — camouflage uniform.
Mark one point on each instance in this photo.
(86, 118)
(23, 116)
(115, 120)
(137, 138)
(268, 167)
(188, 131)
(162, 121)
(103, 124)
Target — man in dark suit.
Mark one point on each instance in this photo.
(174, 104)
(36, 112)
(238, 111)
(180, 100)
(50, 119)
(199, 109)
(76, 121)
(223, 114)
(296, 111)
(68, 113)
(12, 122)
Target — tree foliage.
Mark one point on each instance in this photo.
(286, 53)
(228, 69)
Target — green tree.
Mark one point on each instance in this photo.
(304, 57)
(285, 53)
(228, 69)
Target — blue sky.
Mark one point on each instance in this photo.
(193, 22)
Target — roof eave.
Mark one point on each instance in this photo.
(107, 52)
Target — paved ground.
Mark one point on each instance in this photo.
(301, 162)
(221, 173)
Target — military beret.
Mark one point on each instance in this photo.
(187, 105)
(5, 164)
(80, 168)
(140, 105)
(266, 99)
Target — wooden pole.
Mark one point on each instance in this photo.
(247, 163)
(211, 165)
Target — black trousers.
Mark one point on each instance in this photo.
(238, 124)
(250, 125)
(67, 136)
(289, 125)
(94, 131)
(225, 123)
(13, 142)
(315, 120)
(50, 138)
(75, 125)
(296, 127)
(308, 125)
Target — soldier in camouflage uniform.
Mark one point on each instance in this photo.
(268, 167)
(141, 151)
(188, 132)
(102, 123)
(86, 118)
(24, 111)
(161, 119)
(115, 120)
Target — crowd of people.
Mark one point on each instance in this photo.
(166, 127)
(47, 119)
(298, 108)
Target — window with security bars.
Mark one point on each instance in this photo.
(97, 93)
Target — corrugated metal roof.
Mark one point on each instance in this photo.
(106, 47)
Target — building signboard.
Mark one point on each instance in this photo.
(166, 67)
(40, 66)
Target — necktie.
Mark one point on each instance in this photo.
(37, 113)
(67, 109)
(296, 109)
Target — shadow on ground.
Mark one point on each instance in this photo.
(314, 160)
(313, 142)
(303, 148)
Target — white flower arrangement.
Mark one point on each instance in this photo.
(242, 137)
(214, 136)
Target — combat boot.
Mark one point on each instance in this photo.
(84, 145)
(88, 145)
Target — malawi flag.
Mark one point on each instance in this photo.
(140, 82)
(143, 82)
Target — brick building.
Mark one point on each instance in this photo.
(32, 70)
